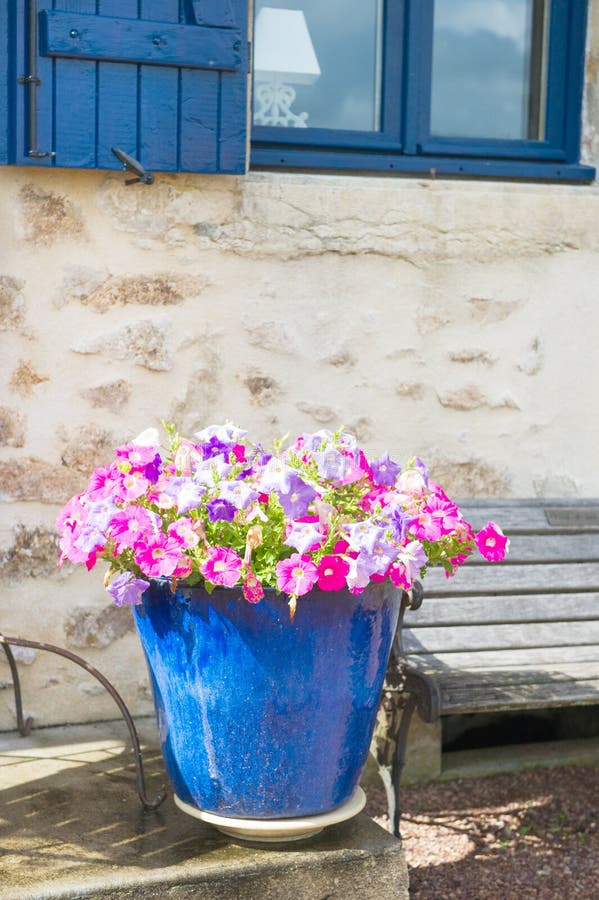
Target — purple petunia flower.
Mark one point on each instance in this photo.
(126, 589)
(303, 536)
(296, 501)
(397, 520)
(384, 470)
(363, 535)
(189, 496)
(238, 493)
(220, 510)
(276, 476)
(331, 463)
(153, 469)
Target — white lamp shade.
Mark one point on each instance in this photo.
(283, 49)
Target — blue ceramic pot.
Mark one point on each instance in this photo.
(261, 717)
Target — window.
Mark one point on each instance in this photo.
(480, 87)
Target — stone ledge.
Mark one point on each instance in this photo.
(71, 826)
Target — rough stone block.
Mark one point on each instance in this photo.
(31, 478)
(12, 427)
(469, 477)
(12, 304)
(32, 554)
(112, 395)
(90, 447)
(49, 216)
(101, 291)
(144, 342)
(91, 627)
(25, 378)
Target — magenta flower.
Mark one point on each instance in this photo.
(437, 518)
(158, 555)
(332, 573)
(492, 543)
(296, 575)
(252, 588)
(223, 566)
(398, 575)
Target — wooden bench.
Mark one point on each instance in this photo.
(519, 635)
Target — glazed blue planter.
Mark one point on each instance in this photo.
(261, 717)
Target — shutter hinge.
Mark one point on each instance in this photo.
(33, 82)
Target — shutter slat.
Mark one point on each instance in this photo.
(198, 124)
(234, 129)
(159, 100)
(117, 98)
(75, 104)
(96, 37)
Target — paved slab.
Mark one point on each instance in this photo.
(71, 826)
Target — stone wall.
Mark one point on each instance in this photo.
(453, 319)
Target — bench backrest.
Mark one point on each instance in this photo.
(541, 605)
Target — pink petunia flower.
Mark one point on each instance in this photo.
(296, 575)
(129, 525)
(158, 555)
(183, 531)
(252, 588)
(332, 573)
(223, 566)
(103, 481)
(492, 543)
(131, 487)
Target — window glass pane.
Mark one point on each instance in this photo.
(317, 63)
(489, 68)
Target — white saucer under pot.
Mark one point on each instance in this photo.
(277, 830)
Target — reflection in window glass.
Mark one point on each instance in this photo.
(317, 64)
(489, 69)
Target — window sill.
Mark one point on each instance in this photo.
(363, 163)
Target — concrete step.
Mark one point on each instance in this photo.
(71, 826)
(516, 757)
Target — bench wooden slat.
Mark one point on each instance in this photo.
(533, 674)
(507, 579)
(548, 548)
(491, 660)
(531, 696)
(451, 611)
(544, 515)
(495, 637)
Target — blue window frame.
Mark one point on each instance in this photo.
(411, 94)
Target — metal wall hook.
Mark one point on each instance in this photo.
(130, 164)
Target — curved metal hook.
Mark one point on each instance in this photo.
(24, 725)
(37, 645)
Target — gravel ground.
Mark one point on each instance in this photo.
(526, 835)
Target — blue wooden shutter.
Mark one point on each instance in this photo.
(165, 81)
